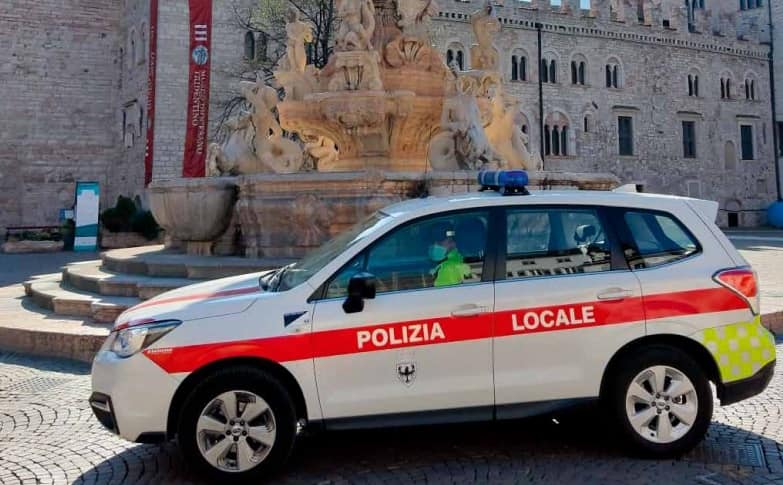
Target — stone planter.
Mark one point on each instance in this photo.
(117, 240)
(196, 211)
(287, 215)
(17, 247)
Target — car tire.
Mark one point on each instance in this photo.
(661, 401)
(221, 442)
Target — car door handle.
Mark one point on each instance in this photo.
(469, 310)
(615, 294)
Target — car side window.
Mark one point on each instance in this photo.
(656, 239)
(555, 241)
(431, 252)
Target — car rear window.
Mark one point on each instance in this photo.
(657, 238)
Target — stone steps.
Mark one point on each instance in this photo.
(91, 277)
(157, 261)
(51, 293)
(102, 289)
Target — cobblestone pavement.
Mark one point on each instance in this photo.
(48, 435)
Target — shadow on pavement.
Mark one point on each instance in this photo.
(575, 447)
(16, 268)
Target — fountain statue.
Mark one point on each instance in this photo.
(385, 119)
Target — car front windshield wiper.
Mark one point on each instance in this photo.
(277, 277)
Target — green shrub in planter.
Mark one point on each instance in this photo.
(125, 208)
(145, 224)
(68, 231)
(113, 221)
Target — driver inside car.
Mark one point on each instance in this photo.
(451, 268)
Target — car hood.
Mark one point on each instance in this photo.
(201, 300)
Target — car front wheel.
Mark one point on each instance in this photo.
(238, 424)
(662, 400)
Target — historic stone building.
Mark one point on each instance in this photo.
(676, 102)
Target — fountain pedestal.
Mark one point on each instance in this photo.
(287, 215)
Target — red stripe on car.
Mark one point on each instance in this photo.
(449, 329)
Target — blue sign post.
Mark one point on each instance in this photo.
(87, 209)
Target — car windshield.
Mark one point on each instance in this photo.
(297, 273)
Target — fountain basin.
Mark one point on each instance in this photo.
(195, 211)
(287, 215)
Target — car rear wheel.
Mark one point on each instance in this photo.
(662, 401)
(238, 424)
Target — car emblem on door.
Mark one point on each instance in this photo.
(406, 372)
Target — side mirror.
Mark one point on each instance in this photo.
(361, 286)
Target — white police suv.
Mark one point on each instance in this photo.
(469, 307)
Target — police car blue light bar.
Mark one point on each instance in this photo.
(507, 182)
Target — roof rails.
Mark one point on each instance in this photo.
(507, 182)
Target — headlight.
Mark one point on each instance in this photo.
(129, 341)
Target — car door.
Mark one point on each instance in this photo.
(659, 244)
(565, 303)
(416, 346)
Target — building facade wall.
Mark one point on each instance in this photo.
(655, 62)
(171, 96)
(58, 85)
(127, 172)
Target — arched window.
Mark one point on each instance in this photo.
(523, 68)
(547, 140)
(614, 76)
(250, 46)
(548, 69)
(578, 69)
(750, 88)
(556, 136)
(514, 69)
(693, 84)
(456, 54)
(728, 88)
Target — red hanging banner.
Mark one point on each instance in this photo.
(194, 162)
(153, 65)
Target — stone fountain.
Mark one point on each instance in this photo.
(386, 119)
